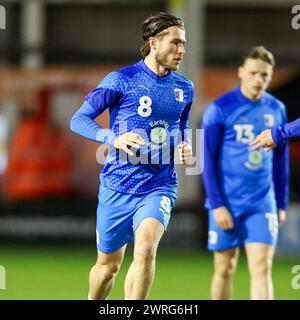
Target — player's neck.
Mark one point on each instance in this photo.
(250, 96)
(152, 64)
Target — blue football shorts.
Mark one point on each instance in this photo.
(119, 215)
(248, 228)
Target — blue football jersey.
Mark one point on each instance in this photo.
(155, 107)
(244, 180)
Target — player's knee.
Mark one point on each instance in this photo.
(108, 271)
(144, 253)
(260, 268)
(226, 268)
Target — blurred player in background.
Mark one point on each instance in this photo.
(269, 139)
(247, 190)
(135, 200)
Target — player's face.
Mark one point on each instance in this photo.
(255, 76)
(170, 49)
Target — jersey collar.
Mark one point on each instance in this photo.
(152, 74)
(247, 100)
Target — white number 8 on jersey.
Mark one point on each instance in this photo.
(144, 109)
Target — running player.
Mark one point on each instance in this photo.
(147, 101)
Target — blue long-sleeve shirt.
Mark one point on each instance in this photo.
(289, 130)
(83, 124)
(243, 180)
(157, 108)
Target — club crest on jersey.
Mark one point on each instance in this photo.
(269, 120)
(178, 94)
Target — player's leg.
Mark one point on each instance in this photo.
(262, 232)
(224, 244)
(114, 231)
(103, 273)
(149, 223)
(260, 258)
(141, 272)
(225, 263)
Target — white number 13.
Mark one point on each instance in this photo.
(244, 133)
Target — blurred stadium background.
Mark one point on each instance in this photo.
(52, 53)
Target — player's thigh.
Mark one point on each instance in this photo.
(259, 256)
(260, 228)
(153, 213)
(149, 232)
(226, 260)
(114, 220)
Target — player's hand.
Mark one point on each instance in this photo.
(129, 139)
(185, 153)
(223, 218)
(265, 140)
(281, 217)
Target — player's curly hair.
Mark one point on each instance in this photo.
(261, 53)
(154, 26)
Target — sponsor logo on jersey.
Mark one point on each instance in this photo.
(159, 134)
(255, 160)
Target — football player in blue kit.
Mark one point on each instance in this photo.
(147, 102)
(269, 139)
(247, 190)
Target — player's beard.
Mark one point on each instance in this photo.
(163, 61)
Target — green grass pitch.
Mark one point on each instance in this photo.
(61, 272)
